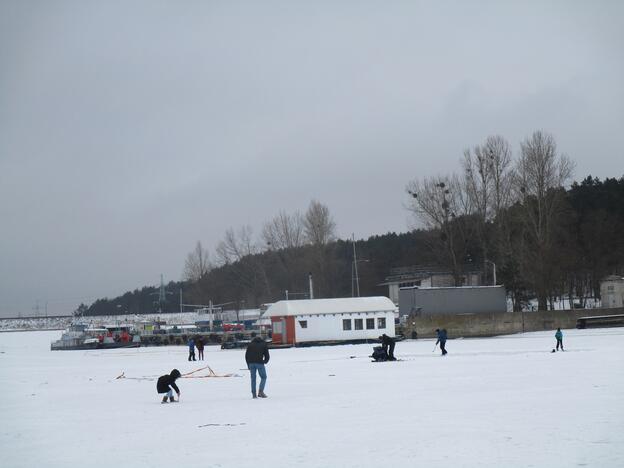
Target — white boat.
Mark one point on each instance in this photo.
(82, 336)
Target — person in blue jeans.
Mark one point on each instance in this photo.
(257, 355)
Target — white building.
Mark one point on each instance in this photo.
(612, 291)
(343, 319)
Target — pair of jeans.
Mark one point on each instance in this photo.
(253, 367)
(560, 343)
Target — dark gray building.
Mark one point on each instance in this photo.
(452, 300)
(428, 277)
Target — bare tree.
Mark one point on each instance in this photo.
(238, 250)
(236, 245)
(541, 174)
(439, 202)
(197, 264)
(284, 231)
(319, 227)
(488, 178)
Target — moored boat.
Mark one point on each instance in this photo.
(80, 336)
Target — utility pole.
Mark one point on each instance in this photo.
(311, 288)
(355, 270)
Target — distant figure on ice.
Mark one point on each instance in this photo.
(200, 348)
(257, 355)
(166, 384)
(442, 340)
(559, 337)
(388, 346)
(191, 346)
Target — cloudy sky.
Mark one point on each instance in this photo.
(129, 130)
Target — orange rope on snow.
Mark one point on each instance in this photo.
(211, 373)
(188, 375)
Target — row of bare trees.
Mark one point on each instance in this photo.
(246, 257)
(511, 208)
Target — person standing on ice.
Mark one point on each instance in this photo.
(257, 355)
(191, 346)
(166, 384)
(388, 345)
(559, 337)
(200, 348)
(442, 340)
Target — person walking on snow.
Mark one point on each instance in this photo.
(442, 340)
(166, 384)
(559, 337)
(191, 346)
(257, 355)
(388, 345)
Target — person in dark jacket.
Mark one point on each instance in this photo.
(559, 338)
(191, 346)
(442, 340)
(388, 345)
(199, 344)
(166, 384)
(257, 355)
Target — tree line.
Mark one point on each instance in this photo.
(548, 239)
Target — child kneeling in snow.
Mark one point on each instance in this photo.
(166, 384)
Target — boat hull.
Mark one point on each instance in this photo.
(87, 346)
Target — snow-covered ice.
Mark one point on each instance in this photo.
(497, 402)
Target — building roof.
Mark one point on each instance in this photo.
(330, 306)
(613, 278)
(415, 273)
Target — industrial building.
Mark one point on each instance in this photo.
(612, 291)
(428, 277)
(454, 300)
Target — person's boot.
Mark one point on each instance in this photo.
(262, 394)
(171, 399)
(253, 395)
(164, 400)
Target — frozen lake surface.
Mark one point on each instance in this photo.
(496, 402)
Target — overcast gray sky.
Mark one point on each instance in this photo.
(129, 130)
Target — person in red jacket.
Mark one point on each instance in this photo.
(199, 344)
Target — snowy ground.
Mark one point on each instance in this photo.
(497, 402)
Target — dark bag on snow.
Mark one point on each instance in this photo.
(379, 354)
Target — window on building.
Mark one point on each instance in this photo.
(381, 322)
(277, 327)
(359, 324)
(346, 324)
(370, 324)
(303, 323)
